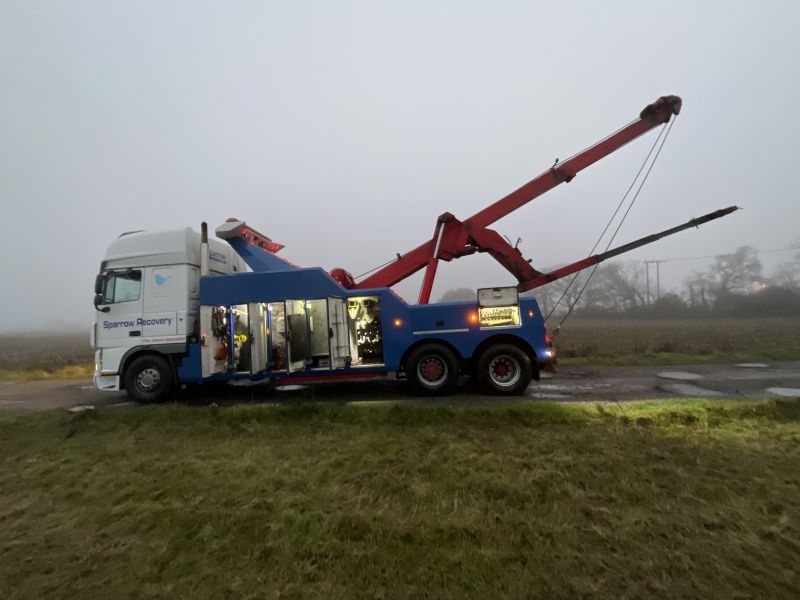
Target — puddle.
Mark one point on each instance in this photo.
(81, 408)
(782, 391)
(679, 375)
(248, 382)
(688, 389)
(372, 403)
(290, 388)
(549, 396)
(752, 365)
(550, 386)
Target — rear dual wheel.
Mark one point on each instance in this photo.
(504, 370)
(432, 370)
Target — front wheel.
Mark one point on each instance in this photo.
(149, 378)
(504, 370)
(432, 370)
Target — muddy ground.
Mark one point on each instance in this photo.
(570, 384)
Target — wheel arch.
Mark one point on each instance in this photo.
(170, 352)
(433, 341)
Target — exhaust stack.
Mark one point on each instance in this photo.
(203, 249)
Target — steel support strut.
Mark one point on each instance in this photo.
(453, 238)
(433, 263)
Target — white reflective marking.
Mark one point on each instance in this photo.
(427, 331)
(81, 408)
(549, 395)
(679, 375)
(688, 389)
(752, 365)
(782, 391)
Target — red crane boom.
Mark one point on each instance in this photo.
(453, 238)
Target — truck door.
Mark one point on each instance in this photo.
(339, 332)
(121, 322)
(297, 334)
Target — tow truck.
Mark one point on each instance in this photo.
(177, 308)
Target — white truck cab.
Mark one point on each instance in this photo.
(147, 295)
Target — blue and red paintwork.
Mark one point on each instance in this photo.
(404, 326)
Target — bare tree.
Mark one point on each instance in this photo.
(787, 275)
(458, 294)
(736, 273)
(556, 297)
(699, 290)
(617, 286)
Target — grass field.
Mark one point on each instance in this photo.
(687, 499)
(46, 356)
(678, 341)
(592, 342)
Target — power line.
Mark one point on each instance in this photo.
(709, 256)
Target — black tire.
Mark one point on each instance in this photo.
(504, 370)
(432, 370)
(149, 379)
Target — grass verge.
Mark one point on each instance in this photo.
(28, 374)
(670, 499)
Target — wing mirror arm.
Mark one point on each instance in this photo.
(98, 301)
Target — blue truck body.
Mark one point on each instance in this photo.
(404, 327)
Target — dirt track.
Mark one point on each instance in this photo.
(582, 384)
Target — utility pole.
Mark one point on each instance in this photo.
(658, 280)
(647, 264)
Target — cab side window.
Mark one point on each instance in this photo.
(122, 287)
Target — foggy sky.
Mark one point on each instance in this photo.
(343, 129)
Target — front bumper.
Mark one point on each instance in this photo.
(106, 383)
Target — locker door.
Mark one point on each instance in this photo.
(339, 332)
(297, 334)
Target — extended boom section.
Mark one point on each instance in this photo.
(454, 238)
(567, 270)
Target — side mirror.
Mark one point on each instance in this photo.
(98, 283)
(98, 300)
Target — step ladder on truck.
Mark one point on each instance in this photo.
(175, 307)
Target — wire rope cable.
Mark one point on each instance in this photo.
(610, 221)
(662, 138)
(388, 262)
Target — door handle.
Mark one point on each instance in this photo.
(134, 333)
